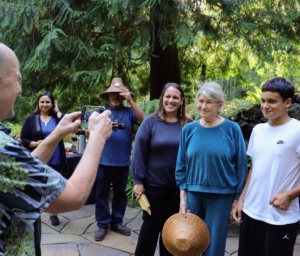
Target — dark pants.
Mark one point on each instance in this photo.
(262, 239)
(164, 202)
(118, 177)
(38, 236)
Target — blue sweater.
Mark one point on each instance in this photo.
(212, 159)
(155, 152)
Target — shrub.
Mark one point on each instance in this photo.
(15, 128)
(235, 107)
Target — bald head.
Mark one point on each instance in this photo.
(5, 53)
(10, 78)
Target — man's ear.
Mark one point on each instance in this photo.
(289, 102)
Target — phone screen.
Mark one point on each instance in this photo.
(87, 110)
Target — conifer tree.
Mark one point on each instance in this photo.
(74, 47)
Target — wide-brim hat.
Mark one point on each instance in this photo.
(185, 236)
(116, 85)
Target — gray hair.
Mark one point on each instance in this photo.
(4, 67)
(211, 90)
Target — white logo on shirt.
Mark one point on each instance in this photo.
(285, 237)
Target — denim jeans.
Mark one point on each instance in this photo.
(117, 176)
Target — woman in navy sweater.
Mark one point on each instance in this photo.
(38, 126)
(153, 166)
(211, 166)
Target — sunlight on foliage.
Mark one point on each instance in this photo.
(235, 107)
(254, 95)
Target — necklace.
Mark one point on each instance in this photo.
(45, 120)
(114, 119)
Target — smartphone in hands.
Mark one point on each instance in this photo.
(87, 110)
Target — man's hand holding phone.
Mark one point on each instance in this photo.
(87, 110)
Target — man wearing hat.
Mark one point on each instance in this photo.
(115, 160)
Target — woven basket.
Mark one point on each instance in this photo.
(185, 236)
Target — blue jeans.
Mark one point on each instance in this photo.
(117, 176)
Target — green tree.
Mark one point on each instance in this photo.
(74, 47)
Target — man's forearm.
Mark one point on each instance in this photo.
(46, 149)
(137, 110)
(78, 187)
(84, 176)
(242, 196)
(81, 182)
(294, 192)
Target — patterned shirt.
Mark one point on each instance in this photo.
(27, 187)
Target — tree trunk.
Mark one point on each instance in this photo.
(164, 63)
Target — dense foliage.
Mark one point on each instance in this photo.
(74, 47)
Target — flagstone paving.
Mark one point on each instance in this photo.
(74, 236)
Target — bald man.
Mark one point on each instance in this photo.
(28, 186)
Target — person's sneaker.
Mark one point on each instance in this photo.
(54, 220)
(122, 230)
(100, 234)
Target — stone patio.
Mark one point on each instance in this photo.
(74, 236)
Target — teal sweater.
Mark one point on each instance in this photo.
(212, 159)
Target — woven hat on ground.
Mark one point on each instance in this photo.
(185, 236)
(116, 85)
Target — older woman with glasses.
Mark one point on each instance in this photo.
(211, 166)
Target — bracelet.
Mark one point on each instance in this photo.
(34, 144)
(58, 111)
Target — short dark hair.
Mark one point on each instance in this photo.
(278, 84)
